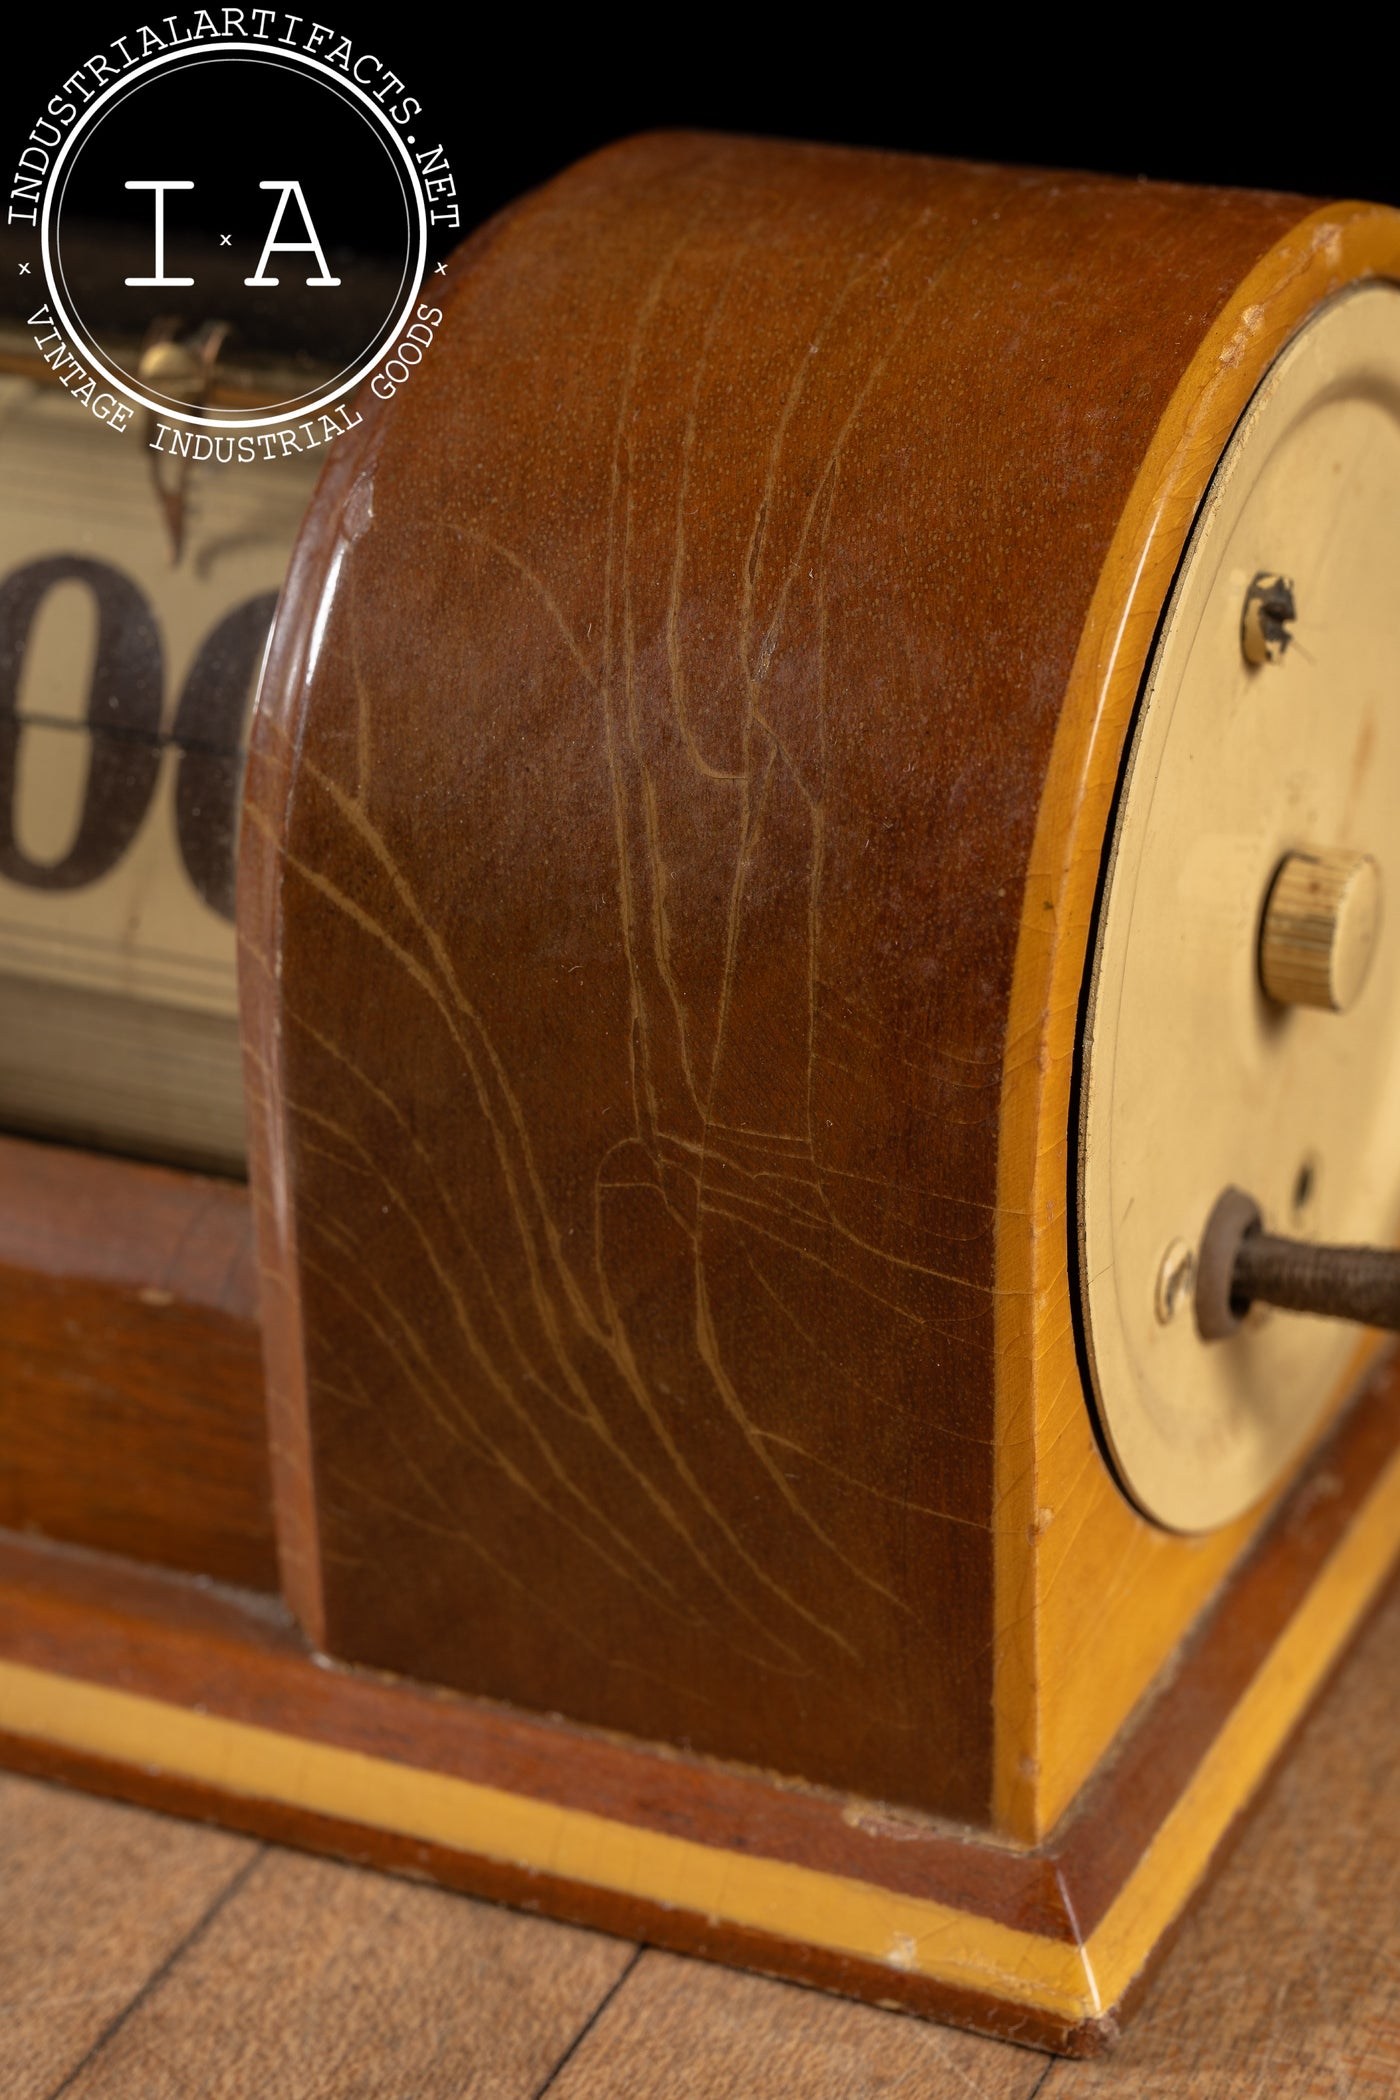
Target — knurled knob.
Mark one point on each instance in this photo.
(1320, 926)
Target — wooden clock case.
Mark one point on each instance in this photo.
(673, 827)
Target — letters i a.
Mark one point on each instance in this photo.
(272, 246)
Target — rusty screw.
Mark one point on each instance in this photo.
(1269, 607)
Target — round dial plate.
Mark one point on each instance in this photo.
(1191, 1079)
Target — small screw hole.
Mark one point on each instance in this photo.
(1303, 1185)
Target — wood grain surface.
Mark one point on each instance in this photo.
(643, 802)
(330, 1980)
(674, 2031)
(131, 1390)
(131, 1959)
(95, 1901)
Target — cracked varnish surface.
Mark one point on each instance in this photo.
(641, 796)
(145, 1959)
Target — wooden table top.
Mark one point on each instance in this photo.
(144, 1959)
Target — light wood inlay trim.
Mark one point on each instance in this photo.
(767, 1895)
(1241, 1754)
(907, 1935)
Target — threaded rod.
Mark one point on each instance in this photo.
(1342, 1283)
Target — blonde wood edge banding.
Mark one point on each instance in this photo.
(907, 1935)
(1052, 1486)
(1239, 1758)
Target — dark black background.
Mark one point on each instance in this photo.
(516, 95)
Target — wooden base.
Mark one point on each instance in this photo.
(131, 1388)
(161, 1691)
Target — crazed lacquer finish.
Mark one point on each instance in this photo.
(646, 777)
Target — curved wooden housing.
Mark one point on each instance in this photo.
(673, 825)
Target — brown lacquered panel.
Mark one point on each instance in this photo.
(646, 774)
(131, 1397)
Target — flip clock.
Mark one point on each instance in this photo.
(798, 1372)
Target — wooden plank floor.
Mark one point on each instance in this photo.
(145, 1959)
